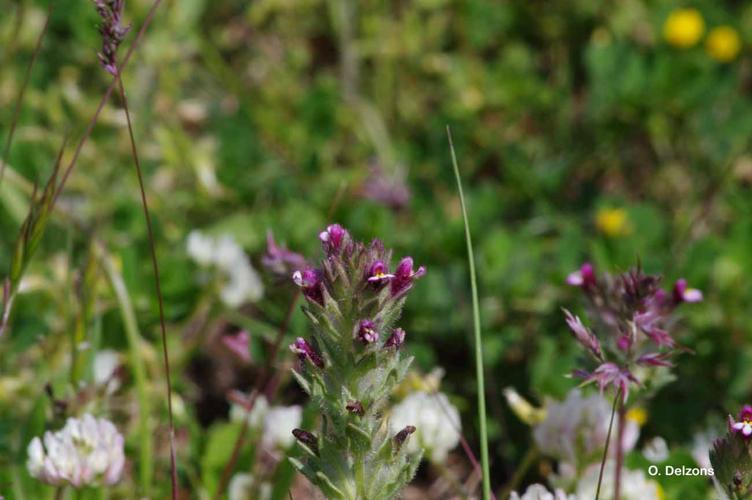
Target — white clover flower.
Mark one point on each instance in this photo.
(436, 420)
(243, 487)
(106, 362)
(274, 422)
(255, 416)
(86, 451)
(575, 429)
(656, 450)
(540, 492)
(200, 247)
(240, 281)
(634, 484)
(279, 422)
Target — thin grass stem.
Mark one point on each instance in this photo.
(158, 286)
(479, 372)
(608, 441)
(22, 91)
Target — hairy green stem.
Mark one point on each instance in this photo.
(476, 326)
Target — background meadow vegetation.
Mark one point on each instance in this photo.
(585, 130)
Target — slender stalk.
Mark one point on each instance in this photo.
(106, 97)
(619, 450)
(476, 324)
(158, 286)
(22, 91)
(608, 441)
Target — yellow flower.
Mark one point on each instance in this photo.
(637, 415)
(525, 411)
(684, 27)
(612, 221)
(723, 43)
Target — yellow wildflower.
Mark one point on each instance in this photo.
(684, 27)
(525, 411)
(612, 221)
(637, 415)
(723, 44)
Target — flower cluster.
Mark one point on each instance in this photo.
(350, 367)
(632, 315)
(240, 281)
(85, 452)
(112, 30)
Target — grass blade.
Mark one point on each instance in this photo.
(481, 385)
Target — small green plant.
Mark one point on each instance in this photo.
(351, 366)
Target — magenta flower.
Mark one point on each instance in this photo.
(584, 277)
(280, 260)
(744, 424)
(333, 238)
(309, 280)
(396, 339)
(611, 374)
(304, 350)
(366, 332)
(238, 344)
(684, 294)
(583, 335)
(404, 276)
(379, 273)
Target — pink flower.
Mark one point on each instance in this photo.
(367, 332)
(333, 238)
(238, 344)
(583, 335)
(584, 277)
(404, 276)
(744, 424)
(304, 350)
(379, 273)
(684, 294)
(309, 280)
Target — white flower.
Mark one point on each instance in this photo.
(279, 422)
(634, 484)
(106, 362)
(540, 492)
(200, 247)
(274, 422)
(575, 430)
(255, 416)
(436, 420)
(240, 281)
(86, 451)
(655, 450)
(243, 487)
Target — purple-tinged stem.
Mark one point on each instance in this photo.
(619, 450)
(106, 97)
(608, 440)
(157, 284)
(22, 91)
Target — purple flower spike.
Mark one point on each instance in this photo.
(280, 260)
(333, 238)
(684, 294)
(744, 424)
(379, 273)
(309, 280)
(404, 276)
(366, 332)
(112, 30)
(584, 277)
(583, 335)
(304, 351)
(396, 339)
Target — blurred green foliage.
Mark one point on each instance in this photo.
(271, 114)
